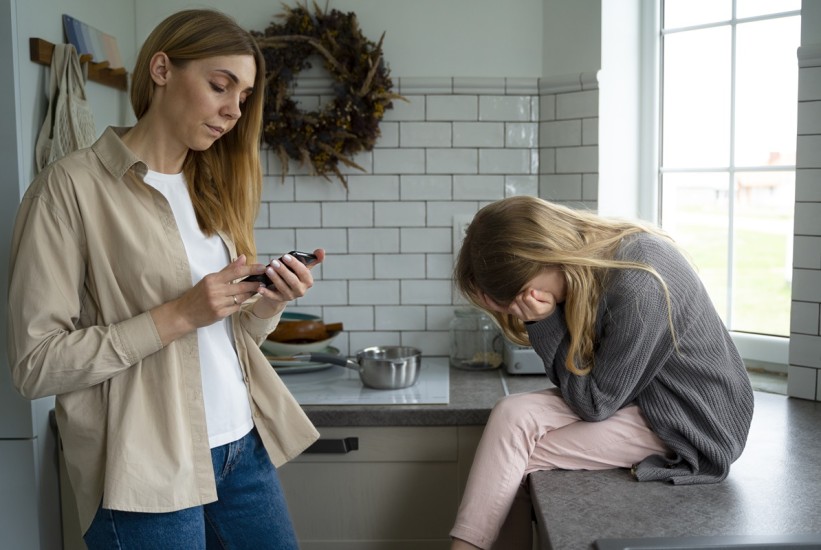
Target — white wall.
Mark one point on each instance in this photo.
(619, 131)
(571, 37)
(810, 23)
(454, 146)
(110, 106)
(423, 38)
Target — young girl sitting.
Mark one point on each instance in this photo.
(646, 373)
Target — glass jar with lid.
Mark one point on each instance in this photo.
(475, 340)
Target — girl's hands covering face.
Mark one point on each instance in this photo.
(537, 300)
(528, 305)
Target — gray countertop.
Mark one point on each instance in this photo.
(774, 488)
(472, 396)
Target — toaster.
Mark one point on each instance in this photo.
(522, 360)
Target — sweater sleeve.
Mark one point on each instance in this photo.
(633, 343)
(694, 392)
(547, 337)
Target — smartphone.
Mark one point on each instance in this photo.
(306, 258)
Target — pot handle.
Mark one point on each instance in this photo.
(327, 358)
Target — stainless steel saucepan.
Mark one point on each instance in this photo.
(379, 367)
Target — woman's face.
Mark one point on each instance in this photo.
(202, 98)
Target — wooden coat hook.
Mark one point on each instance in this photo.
(41, 51)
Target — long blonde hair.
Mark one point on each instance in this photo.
(511, 241)
(225, 180)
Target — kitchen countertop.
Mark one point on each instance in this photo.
(774, 488)
(472, 396)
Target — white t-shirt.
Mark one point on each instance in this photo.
(227, 410)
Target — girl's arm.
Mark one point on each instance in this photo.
(546, 338)
(634, 343)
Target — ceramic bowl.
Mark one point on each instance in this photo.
(277, 349)
(295, 316)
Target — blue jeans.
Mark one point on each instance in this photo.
(251, 511)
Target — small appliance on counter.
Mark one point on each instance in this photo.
(522, 360)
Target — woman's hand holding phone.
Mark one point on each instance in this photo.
(288, 278)
(305, 258)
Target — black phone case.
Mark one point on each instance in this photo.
(305, 258)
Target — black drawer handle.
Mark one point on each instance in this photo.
(334, 446)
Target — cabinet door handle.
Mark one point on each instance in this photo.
(334, 446)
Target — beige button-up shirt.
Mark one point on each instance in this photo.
(94, 249)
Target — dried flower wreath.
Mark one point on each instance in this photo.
(349, 123)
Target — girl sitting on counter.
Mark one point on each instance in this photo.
(647, 376)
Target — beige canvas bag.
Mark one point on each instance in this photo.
(69, 124)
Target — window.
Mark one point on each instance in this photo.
(728, 101)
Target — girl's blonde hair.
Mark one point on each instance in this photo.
(511, 241)
(225, 180)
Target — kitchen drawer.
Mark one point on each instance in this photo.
(391, 444)
(398, 491)
(371, 500)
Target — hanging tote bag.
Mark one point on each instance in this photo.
(69, 124)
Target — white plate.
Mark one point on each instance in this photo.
(294, 367)
(278, 349)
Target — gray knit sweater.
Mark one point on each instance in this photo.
(697, 399)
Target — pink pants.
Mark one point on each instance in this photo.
(528, 432)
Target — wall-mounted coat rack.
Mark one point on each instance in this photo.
(40, 51)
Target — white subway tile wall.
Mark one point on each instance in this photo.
(804, 370)
(568, 140)
(452, 147)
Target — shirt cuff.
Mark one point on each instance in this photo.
(137, 338)
(258, 327)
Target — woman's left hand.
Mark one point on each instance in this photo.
(529, 305)
(291, 280)
(533, 305)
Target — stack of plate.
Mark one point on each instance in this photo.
(283, 366)
(278, 352)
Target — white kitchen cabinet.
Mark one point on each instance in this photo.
(399, 490)
(18, 505)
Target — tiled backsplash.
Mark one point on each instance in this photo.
(454, 146)
(568, 141)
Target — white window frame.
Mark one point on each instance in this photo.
(755, 347)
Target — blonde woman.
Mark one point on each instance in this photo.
(171, 419)
(646, 373)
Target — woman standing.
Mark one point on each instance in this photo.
(646, 373)
(126, 302)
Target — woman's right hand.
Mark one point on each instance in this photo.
(213, 298)
(529, 305)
